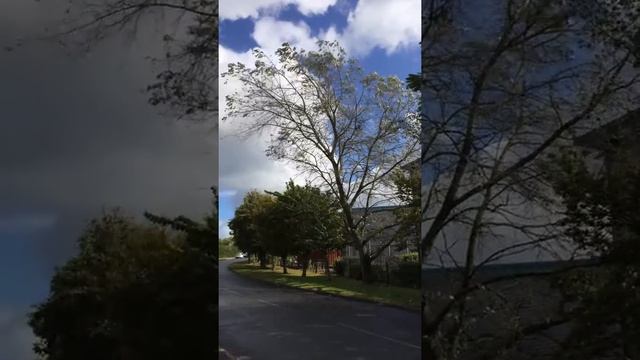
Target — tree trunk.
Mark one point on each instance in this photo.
(263, 259)
(365, 259)
(273, 263)
(284, 264)
(365, 266)
(327, 270)
(305, 264)
(386, 271)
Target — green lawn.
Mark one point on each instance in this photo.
(340, 286)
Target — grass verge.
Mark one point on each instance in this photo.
(339, 286)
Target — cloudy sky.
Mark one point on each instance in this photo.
(381, 34)
(77, 135)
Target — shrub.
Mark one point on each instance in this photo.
(411, 257)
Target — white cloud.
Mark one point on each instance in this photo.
(233, 10)
(314, 7)
(270, 33)
(223, 229)
(228, 193)
(389, 25)
(243, 163)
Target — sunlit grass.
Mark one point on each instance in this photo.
(337, 285)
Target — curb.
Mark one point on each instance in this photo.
(224, 355)
(325, 293)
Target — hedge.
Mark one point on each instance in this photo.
(403, 273)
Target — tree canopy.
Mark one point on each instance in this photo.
(248, 235)
(134, 291)
(296, 221)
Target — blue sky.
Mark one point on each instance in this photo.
(378, 33)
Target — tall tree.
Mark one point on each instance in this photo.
(347, 130)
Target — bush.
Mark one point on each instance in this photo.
(411, 257)
(407, 274)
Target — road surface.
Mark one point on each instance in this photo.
(260, 321)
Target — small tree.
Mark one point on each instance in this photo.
(248, 234)
(279, 228)
(312, 218)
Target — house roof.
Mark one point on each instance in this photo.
(626, 127)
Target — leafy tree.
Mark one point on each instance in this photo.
(200, 237)
(133, 291)
(497, 96)
(278, 229)
(346, 129)
(312, 218)
(612, 22)
(602, 218)
(248, 234)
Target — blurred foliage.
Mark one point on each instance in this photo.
(603, 220)
(227, 248)
(133, 291)
(410, 257)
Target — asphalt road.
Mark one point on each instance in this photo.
(259, 321)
